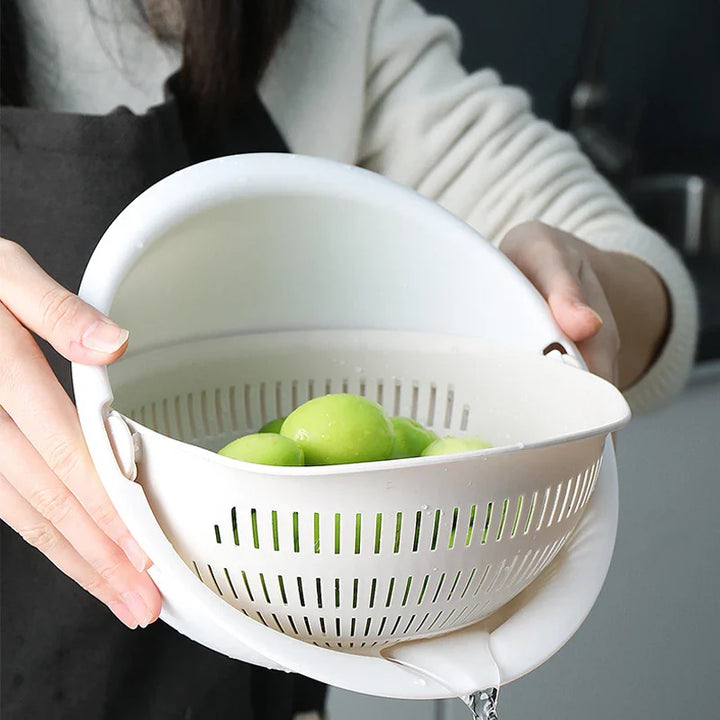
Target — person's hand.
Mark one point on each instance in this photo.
(611, 304)
(561, 267)
(49, 490)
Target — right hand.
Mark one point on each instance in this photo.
(50, 492)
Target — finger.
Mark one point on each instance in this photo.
(42, 411)
(35, 530)
(576, 318)
(569, 304)
(27, 472)
(75, 329)
(544, 260)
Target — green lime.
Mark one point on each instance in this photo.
(451, 444)
(264, 449)
(273, 426)
(411, 438)
(340, 428)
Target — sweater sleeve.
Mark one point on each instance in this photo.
(473, 145)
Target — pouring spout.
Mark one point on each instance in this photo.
(460, 661)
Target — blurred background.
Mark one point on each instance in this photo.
(638, 83)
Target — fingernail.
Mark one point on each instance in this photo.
(134, 554)
(121, 612)
(104, 336)
(582, 306)
(138, 608)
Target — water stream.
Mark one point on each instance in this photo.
(482, 704)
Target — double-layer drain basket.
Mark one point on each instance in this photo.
(253, 283)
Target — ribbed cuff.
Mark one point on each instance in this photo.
(669, 373)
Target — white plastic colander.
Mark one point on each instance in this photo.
(253, 283)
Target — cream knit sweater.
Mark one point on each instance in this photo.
(377, 83)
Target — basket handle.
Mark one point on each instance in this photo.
(123, 443)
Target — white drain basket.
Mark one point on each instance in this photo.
(253, 283)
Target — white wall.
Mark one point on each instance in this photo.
(651, 645)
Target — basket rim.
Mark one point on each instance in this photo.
(621, 418)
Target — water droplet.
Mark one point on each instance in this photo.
(423, 507)
(420, 681)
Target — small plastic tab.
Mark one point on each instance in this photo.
(572, 361)
(557, 351)
(123, 444)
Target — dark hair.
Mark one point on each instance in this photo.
(226, 48)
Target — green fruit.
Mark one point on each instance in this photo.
(451, 444)
(411, 438)
(264, 449)
(273, 426)
(340, 428)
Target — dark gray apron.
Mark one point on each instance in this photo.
(64, 656)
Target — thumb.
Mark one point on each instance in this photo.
(574, 316)
(566, 295)
(75, 329)
(568, 286)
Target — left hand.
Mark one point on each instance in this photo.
(564, 269)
